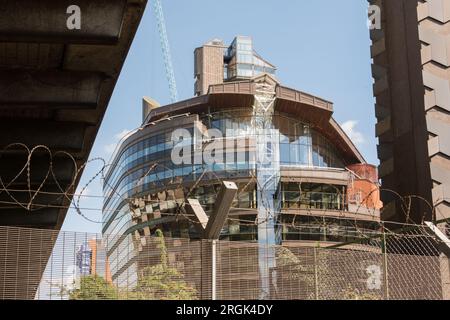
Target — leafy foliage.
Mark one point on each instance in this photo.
(158, 282)
(94, 287)
(162, 281)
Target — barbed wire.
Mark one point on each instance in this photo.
(74, 198)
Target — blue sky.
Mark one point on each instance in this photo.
(319, 46)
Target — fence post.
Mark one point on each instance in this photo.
(213, 270)
(444, 256)
(316, 276)
(385, 264)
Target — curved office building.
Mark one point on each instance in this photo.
(295, 169)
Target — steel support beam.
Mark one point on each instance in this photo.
(194, 207)
(219, 215)
(210, 227)
(444, 241)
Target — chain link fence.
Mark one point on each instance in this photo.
(45, 264)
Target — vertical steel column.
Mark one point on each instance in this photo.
(316, 276)
(268, 176)
(214, 270)
(385, 264)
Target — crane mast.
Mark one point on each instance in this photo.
(158, 12)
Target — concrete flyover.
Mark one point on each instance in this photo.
(55, 85)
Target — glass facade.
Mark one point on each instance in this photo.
(145, 167)
(309, 196)
(300, 145)
(310, 228)
(241, 60)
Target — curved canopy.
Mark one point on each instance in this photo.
(313, 110)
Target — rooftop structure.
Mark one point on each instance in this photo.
(215, 63)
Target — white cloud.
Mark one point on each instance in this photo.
(109, 148)
(350, 129)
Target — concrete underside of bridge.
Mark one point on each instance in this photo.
(55, 85)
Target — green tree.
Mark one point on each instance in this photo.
(158, 282)
(93, 287)
(161, 281)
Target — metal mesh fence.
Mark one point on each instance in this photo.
(45, 264)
